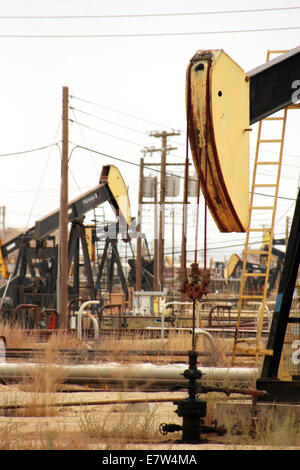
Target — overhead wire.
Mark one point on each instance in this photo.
(144, 133)
(140, 35)
(83, 137)
(22, 152)
(107, 121)
(127, 128)
(135, 130)
(98, 105)
(212, 248)
(146, 167)
(147, 15)
(105, 133)
(42, 177)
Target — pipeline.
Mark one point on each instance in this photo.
(81, 312)
(2, 349)
(167, 305)
(136, 374)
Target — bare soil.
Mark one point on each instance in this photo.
(98, 426)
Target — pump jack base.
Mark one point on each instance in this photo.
(280, 391)
(199, 441)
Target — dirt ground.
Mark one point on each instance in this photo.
(106, 422)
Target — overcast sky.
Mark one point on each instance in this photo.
(125, 70)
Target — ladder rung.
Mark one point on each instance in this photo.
(262, 207)
(252, 296)
(261, 185)
(274, 118)
(255, 274)
(269, 141)
(267, 163)
(257, 252)
(253, 352)
(259, 229)
(276, 51)
(245, 340)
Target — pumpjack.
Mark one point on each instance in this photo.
(35, 270)
(236, 262)
(222, 102)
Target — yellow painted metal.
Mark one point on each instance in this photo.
(249, 351)
(3, 265)
(89, 240)
(218, 125)
(232, 264)
(113, 178)
(267, 234)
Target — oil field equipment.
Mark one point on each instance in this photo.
(222, 102)
(193, 409)
(36, 267)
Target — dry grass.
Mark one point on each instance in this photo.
(41, 437)
(271, 428)
(278, 431)
(16, 338)
(115, 428)
(122, 426)
(174, 342)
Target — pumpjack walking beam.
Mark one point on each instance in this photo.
(273, 85)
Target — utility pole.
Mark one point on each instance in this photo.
(138, 270)
(164, 136)
(2, 221)
(63, 222)
(183, 270)
(155, 264)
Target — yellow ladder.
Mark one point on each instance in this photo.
(260, 182)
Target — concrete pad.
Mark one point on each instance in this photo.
(139, 408)
(235, 413)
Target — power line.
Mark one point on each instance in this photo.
(140, 35)
(28, 151)
(127, 127)
(142, 146)
(107, 121)
(149, 168)
(146, 15)
(123, 160)
(122, 126)
(106, 133)
(121, 112)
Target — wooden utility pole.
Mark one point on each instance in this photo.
(163, 135)
(138, 269)
(2, 222)
(155, 263)
(183, 270)
(63, 221)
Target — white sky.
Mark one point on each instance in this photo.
(141, 76)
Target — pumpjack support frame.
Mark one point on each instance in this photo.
(282, 390)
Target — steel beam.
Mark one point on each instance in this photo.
(273, 85)
(284, 298)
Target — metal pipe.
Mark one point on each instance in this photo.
(79, 299)
(21, 306)
(198, 330)
(2, 348)
(81, 312)
(163, 314)
(106, 307)
(5, 292)
(137, 373)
